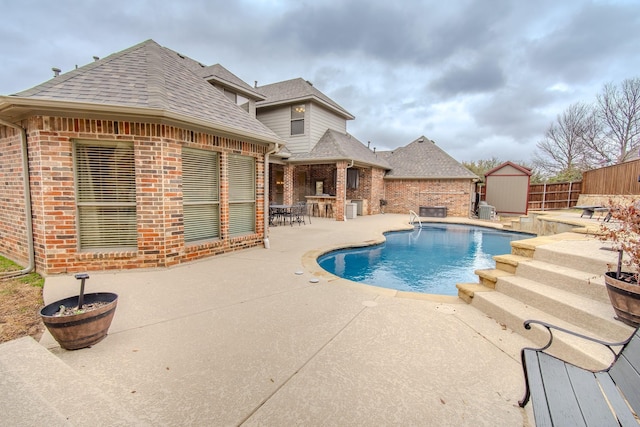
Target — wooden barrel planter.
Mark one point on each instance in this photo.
(624, 297)
(81, 330)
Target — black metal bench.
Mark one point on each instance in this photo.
(563, 394)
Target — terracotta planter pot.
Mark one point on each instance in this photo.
(80, 330)
(625, 299)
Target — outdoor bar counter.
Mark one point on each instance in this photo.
(323, 201)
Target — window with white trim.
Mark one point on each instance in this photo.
(105, 194)
(242, 194)
(297, 119)
(200, 194)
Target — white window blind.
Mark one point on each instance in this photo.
(106, 194)
(242, 194)
(201, 194)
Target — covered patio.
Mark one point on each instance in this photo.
(339, 170)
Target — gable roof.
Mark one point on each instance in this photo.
(298, 90)
(147, 80)
(523, 169)
(218, 74)
(422, 158)
(334, 146)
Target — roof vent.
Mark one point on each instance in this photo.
(56, 71)
(310, 84)
(421, 140)
(96, 58)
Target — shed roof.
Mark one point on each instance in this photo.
(522, 169)
(334, 146)
(149, 79)
(298, 90)
(423, 159)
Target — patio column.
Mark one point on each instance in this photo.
(341, 189)
(287, 198)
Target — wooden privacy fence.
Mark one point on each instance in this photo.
(619, 179)
(559, 195)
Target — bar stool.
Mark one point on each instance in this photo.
(315, 209)
(328, 210)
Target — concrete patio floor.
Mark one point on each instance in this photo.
(241, 339)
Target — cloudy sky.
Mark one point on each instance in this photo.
(481, 78)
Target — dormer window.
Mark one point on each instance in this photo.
(297, 119)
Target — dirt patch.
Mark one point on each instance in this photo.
(20, 304)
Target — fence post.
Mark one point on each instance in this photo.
(544, 193)
(569, 195)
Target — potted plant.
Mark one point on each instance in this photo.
(82, 320)
(622, 286)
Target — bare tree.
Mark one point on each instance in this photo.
(619, 113)
(481, 167)
(563, 149)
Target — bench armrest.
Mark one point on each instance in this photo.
(549, 327)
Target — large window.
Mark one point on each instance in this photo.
(242, 194)
(106, 194)
(201, 194)
(297, 119)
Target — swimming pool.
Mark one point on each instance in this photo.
(428, 260)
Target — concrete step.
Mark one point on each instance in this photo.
(587, 255)
(38, 388)
(566, 278)
(574, 308)
(511, 313)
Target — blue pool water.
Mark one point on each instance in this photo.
(429, 260)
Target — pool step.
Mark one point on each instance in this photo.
(558, 279)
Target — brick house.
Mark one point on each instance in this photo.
(135, 160)
(424, 175)
(147, 158)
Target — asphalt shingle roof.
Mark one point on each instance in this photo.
(424, 160)
(296, 90)
(335, 145)
(218, 73)
(150, 76)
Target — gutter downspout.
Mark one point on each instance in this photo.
(345, 190)
(27, 200)
(266, 194)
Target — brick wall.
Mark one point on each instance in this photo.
(159, 194)
(13, 227)
(403, 195)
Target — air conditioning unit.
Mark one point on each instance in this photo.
(351, 210)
